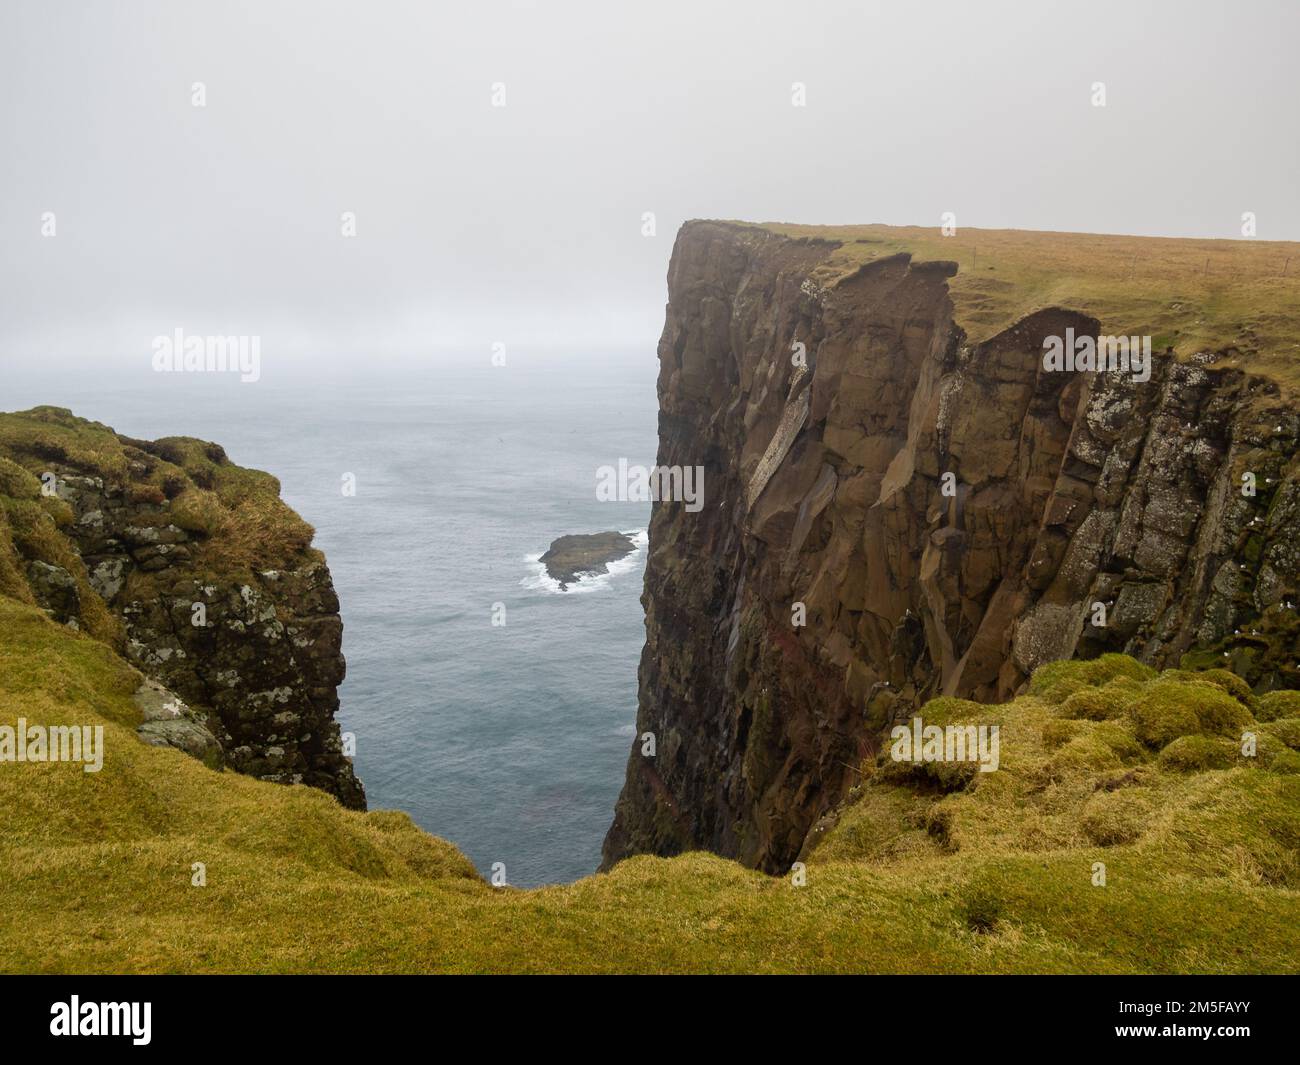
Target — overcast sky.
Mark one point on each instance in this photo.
(523, 223)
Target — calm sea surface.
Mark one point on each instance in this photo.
(509, 741)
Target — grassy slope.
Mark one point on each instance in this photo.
(95, 868)
(1190, 295)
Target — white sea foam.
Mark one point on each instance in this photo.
(538, 580)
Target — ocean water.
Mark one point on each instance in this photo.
(508, 740)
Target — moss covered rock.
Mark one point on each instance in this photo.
(1170, 708)
(1105, 703)
(1274, 705)
(1231, 683)
(1161, 717)
(1287, 730)
(1057, 681)
(1196, 754)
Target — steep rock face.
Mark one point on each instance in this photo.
(893, 513)
(265, 653)
(209, 583)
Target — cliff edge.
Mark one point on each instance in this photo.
(194, 571)
(903, 501)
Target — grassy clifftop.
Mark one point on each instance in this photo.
(1236, 298)
(927, 869)
(235, 513)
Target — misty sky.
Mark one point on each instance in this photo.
(523, 223)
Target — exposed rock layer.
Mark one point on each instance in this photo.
(251, 648)
(837, 576)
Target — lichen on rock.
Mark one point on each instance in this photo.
(198, 574)
(943, 517)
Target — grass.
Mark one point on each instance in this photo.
(235, 514)
(994, 875)
(1239, 299)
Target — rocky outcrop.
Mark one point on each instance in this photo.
(168, 721)
(894, 512)
(569, 558)
(209, 583)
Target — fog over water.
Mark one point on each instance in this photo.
(523, 223)
(448, 228)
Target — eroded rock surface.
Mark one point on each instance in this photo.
(941, 516)
(200, 576)
(168, 721)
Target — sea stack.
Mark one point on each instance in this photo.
(585, 555)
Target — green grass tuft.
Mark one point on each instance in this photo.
(997, 875)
